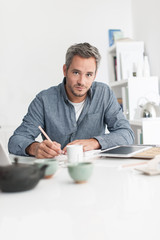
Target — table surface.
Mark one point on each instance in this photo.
(116, 203)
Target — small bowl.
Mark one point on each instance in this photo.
(80, 172)
(52, 166)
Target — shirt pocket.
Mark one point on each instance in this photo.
(93, 124)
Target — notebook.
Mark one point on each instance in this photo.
(125, 151)
(149, 153)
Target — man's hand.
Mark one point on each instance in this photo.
(88, 144)
(45, 149)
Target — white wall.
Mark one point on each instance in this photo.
(146, 19)
(34, 37)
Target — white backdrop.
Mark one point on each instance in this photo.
(34, 37)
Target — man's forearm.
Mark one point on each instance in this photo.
(119, 137)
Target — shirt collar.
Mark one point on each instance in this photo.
(63, 90)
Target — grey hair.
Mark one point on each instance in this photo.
(84, 50)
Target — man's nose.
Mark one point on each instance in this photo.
(81, 79)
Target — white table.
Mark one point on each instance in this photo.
(116, 203)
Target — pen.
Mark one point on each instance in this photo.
(47, 137)
(44, 133)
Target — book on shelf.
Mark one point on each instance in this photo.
(115, 67)
(113, 35)
(117, 36)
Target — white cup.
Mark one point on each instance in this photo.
(75, 153)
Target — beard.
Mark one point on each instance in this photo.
(78, 94)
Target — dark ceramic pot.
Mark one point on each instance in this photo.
(20, 177)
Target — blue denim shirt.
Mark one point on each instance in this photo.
(52, 111)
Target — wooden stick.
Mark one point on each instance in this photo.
(134, 164)
(44, 133)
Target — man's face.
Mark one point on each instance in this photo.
(79, 77)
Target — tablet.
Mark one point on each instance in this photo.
(125, 151)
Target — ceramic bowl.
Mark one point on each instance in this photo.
(52, 166)
(80, 172)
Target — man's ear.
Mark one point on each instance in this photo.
(64, 70)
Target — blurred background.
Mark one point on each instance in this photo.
(35, 35)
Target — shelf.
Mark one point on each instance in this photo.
(132, 91)
(112, 49)
(128, 54)
(118, 83)
(136, 122)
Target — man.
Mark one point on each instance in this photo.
(76, 111)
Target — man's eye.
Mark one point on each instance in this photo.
(89, 74)
(75, 73)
